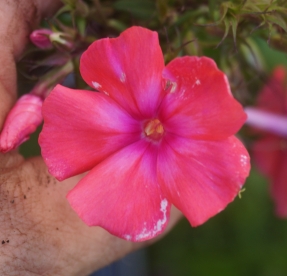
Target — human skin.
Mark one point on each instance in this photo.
(39, 232)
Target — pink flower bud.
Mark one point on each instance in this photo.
(41, 38)
(22, 120)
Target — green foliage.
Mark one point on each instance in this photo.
(141, 9)
(244, 240)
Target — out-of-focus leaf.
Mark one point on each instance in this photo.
(229, 5)
(227, 26)
(69, 2)
(234, 24)
(224, 7)
(81, 24)
(257, 27)
(190, 16)
(212, 8)
(223, 10)
(142, 9)
(270, 27)
(117, 25)
(252, 54)
(254, 7)
(162, 8)
(273, 57)
(64, 9)
(82, 8)
(278, 20)
(279, 43)
(279, 9)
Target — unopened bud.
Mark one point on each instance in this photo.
(41, 38)
(22, 120)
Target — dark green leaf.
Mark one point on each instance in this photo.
(142, 9)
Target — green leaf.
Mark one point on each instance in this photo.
(117, 25)
(142, 9)
(223, 10)
(162, 9)
(234, 24)
(278, 20)
(81, 24)
(227, 27)
(64, 9)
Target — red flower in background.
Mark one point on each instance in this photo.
(153, 136)
(270, 151)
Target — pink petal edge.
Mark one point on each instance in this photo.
(126, 70)
(205, 175)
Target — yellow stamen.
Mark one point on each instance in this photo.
(154, 129)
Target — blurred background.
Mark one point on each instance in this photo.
(247, 39)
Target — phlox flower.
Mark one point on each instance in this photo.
(270, 150)
(152, 136)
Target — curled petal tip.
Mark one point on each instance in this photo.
(22, 120)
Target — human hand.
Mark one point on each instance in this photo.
(40, 233)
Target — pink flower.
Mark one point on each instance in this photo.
(41, 38)
(22, 120)
(153, 136)
(270, 150)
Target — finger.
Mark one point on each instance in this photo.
(93, 247)
(7, 85)
(37, 218)
(17, 19)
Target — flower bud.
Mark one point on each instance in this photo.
(22, 120)
(41, 39)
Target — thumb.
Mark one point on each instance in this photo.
(7, 84)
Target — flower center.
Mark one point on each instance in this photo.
(153, 129)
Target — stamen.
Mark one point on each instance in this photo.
(154, 129)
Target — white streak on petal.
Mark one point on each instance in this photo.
(123, 77)
(96, 85)
(128, 237)
(157, 228)
(173, 87)
(243, 159)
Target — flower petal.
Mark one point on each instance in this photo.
(279, 187)
(205, 175)
(199, 103)
(273, 97)
(122, 195)
(270, 155)
(126, 70)
(266, 154)
(82, 128)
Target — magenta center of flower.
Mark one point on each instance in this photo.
(153, 129)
